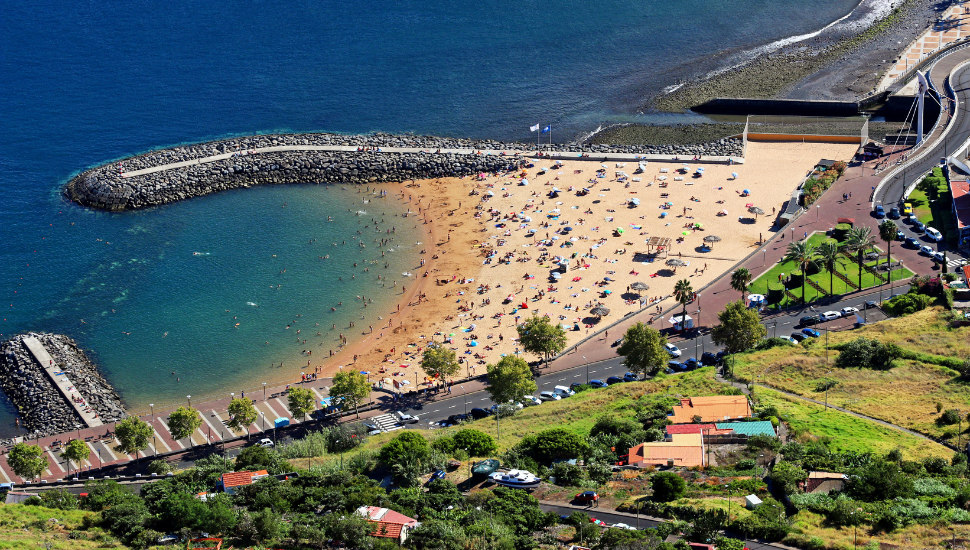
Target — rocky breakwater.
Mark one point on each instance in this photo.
(42, 408)
(191, 171)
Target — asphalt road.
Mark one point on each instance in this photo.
(780, 324)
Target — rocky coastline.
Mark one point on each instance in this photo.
(105, 187)
(42, 409)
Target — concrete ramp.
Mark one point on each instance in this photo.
(959, 164)
(60, 381)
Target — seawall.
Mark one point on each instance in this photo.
(179, 173)
(43, 409)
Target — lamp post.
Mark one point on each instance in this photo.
(262, 421)
(817, 209)
(587, 369)
(189, 397)
(232, 395)
(152, 405)
(264, 391)
(827, 389)
(465, 397)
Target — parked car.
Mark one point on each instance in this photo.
(849, 310)
(456, 419)
(912, 243)
(900, 236)
(808, 320)
(673, 350)
(894, 213)
(830, 315)
(708, 358)
(549, 396)
(810, 332)
(798, 336)
(919, 226)
(406, 418)
(530, 400)
(790, 339)
(907, 208)
(939, 257)
(494, 408)
(478, 413)
(926, 249)
(692, 363)
(872, 304)
(372, 429)
(616, 342)
(597, 384)
(576, 385)
(266, 442)
(630, 377)
(438, 474)
(563, 391)
(587, 497)
(880, 211)
(623, 526)
(614, 380)
(934, 234)
(676, 366)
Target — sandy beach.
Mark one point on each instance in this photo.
(494, 243)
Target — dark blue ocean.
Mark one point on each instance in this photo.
(85, 82)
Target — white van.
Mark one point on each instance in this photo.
(934, 234)
(563, 391)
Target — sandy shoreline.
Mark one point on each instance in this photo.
(453, 296)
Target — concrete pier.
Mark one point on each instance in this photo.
(60, 381)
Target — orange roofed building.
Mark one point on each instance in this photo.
(718, 408)
(685, 450)
(389, 524)
(232, 481)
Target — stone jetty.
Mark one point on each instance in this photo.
(43, 408)
(178, 173)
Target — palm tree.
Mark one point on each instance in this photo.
(683, 293)
(829, 253)
(887, 232)
(804, 254)
(740, 280)
(858, 240)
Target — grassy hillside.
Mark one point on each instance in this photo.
(906, 396)
(23, 527)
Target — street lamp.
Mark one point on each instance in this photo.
(189, 397)
(764, 257)
(152, 405)
(264, 391)
(465, 397)
(262, 421)
(587, 369)
(817, 209)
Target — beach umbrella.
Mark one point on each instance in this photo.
(524, 182)
(685, 233)
(567, 229)
(711, 239)
(675, 262)
(635, 202)
(620, 230)
(734, 175)
(747, 191)
(701, 169)
(489, 193)
(527, 218)
(600, 311)
(640, 286)
(756, 211)
(365, 372)
(474, 343)
(604, 166)
(556, 275)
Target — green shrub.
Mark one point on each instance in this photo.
(906, 304)
(475, 442)
(567, 475)
(867, 353)
(667, 486)
(948, 418)
(769, 343)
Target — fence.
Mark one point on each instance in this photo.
(815, 126)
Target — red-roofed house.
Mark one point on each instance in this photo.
(690, 428)
(717, 408)
(685, 450)
(232, 481)
(960, 189)
(390, 524)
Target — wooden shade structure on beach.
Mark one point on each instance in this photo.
(640, 286)
(600, 311)
(756, 211)
(676, 262)
(711, 239)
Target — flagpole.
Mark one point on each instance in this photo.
(538, 137)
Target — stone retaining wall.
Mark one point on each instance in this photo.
(103, 187)
(42, 408)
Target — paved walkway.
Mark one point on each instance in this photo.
(61, 381)
(956, 26)
(546, 155)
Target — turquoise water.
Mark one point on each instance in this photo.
(87, 82)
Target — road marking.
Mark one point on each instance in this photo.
(169, 432)
(286, 410)
(111, 453)
(54, 458)
(452, 407)
(5, 476)
(215, 432)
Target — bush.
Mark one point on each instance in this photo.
(406, 445)
(475, 442)
(769, 343)
(907, 304)
(948, 418)
(867, 353)
(551, 445)
(567, 475)
(933, 487)
(59, 499)
(667, 486)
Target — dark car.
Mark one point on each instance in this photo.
(677, 366)
(900, 236)
(894, 213)
(808, 320)
(708, 358)
(597, 384)
(576, 385)
(912, 243)
(919, 226)
(614, 380)
(458, 419)
(692, 363)
(798, 336)
(438, 474)
(872, 304)
(880, 211)
(616, 342)
(810, 332)
(479, 413)
(630, 377)
(587, 496)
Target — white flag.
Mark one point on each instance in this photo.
(534, 128)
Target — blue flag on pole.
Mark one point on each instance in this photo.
(547, 129)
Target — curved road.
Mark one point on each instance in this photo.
(890, 192)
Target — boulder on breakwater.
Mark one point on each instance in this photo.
(359, 159)
(43, 410)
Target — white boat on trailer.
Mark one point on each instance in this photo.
(516, 478)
